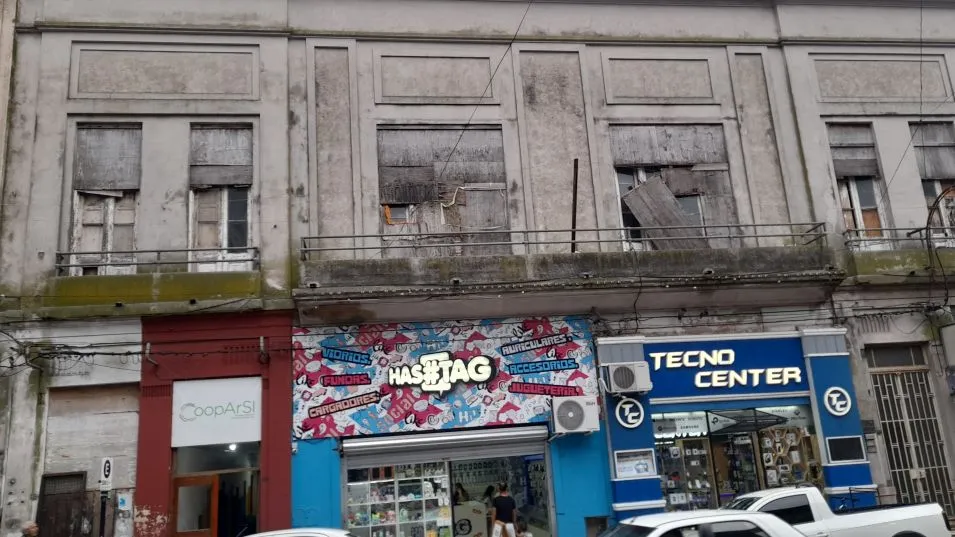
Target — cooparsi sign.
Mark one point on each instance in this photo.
(438, 372)
(218, 411)
(725, 376)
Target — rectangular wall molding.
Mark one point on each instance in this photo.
(146, 71)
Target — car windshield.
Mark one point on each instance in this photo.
(627, 530)
(740, 504)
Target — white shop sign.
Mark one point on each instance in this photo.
(217, 411)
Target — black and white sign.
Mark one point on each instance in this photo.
(629, 413)
(837, 401)
(106, 474)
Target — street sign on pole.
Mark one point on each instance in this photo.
(106, 474)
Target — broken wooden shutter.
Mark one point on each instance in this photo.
(934, 149)
(656, 207)
(208, 218)
(853, 150)
(107, 157)
(220, 156)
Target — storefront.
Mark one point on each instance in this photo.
(405, 430)
(214, 452)
(734, 414)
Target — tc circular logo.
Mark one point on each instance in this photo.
(837, 401)
(629, 413)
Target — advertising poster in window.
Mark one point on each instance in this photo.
(407, 377)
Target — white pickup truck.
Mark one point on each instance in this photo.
(705, 523)
(807, 510)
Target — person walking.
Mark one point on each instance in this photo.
(504, 513)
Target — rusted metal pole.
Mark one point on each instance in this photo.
(573, 215)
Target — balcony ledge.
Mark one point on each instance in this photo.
(348, 305)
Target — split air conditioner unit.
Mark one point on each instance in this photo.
(628, 377)
(574, 415)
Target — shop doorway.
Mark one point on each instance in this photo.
(216, 490)
(910, 425)
(442, 484)
(708, 458)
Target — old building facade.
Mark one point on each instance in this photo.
(309, 193)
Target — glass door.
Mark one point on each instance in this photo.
(196, 504)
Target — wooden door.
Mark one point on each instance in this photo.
(196, 506)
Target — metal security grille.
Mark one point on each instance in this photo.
(910, 426)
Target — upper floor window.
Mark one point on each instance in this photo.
(107, 168)
(673, 184)
(856, 165)
(220, 177)
(442, 190)
(934, 146)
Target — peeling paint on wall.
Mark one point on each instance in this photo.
(149, 521)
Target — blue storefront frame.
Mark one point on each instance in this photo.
(736, 371)
(577, 463)
(564, 345)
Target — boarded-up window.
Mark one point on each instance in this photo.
(672, 145)
(853, 150)
(107, 157)
(447, 181)
(220, 176)
(220, 155)
(934, 145)
(676, 182)
(414, 165)
(854, 160)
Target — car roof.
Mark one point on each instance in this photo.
(661, 519)
(336, 532)
(767, 492)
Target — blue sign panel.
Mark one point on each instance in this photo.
(731, 367)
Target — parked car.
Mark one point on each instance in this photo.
(807, 510)
(305, 532)
(704, 523)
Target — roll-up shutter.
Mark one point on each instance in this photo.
(457, 445)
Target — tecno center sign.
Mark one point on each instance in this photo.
(217, 411)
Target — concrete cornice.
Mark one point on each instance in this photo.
(290, 33)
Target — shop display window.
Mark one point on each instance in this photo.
(708, 458)
(686, 475)
(412, 500)
(445, 499)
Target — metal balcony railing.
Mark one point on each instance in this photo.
(885, 239)
(157, 261)
(520, 242)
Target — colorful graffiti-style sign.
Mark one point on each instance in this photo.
(407, 377)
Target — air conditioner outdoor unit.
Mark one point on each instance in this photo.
(575, 415)
(628, 377)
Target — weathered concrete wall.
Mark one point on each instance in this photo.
(22, 466)
(86, 424)
(316, 104)
(195, 80)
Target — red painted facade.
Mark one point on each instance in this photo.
(204, 347)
